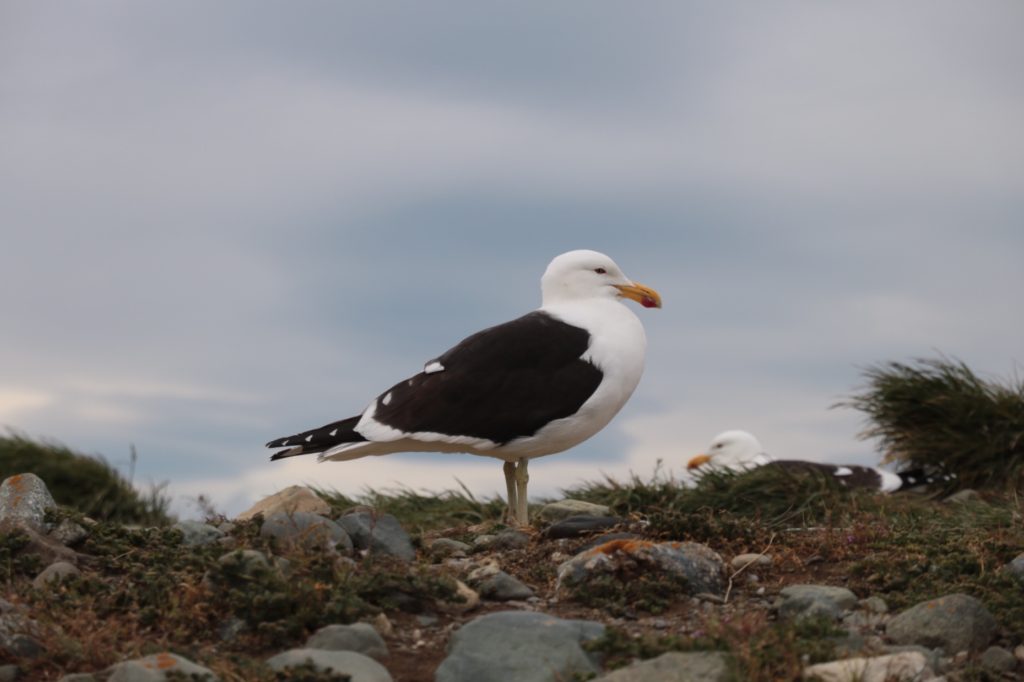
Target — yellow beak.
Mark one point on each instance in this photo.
(645, 296)
(699, 460)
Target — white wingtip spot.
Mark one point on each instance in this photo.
(309, 437)
(386, 400)
(843, 471)
(433, 367)
(333, 433)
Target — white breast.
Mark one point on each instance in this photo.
(617, 348)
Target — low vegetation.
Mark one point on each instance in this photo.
(143, 591)
(85, 483)
(938, 414)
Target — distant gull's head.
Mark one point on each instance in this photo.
(731, 450)
(583, 274)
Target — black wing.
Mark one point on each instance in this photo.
(502, 383)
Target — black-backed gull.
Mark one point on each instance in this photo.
(534, 386)
(739, 451)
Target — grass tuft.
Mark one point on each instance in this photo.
(936, 413)
(421, 511)
(746, 506)
(87, 484)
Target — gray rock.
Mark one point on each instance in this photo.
(865, 621)
(307, 531)
(874, 605)
(24, 500)
(40, 545)
(750, 561)
(69, 533)
(197, 533)
(1016, 567)
(295, 498)
(575, 526)
(446, 547)
(22, 646)
(519, 645)
(809, 601)
(358, 667)
(598, 541)
(244, 563)
(506, 539)
(699, 666)
(77, 677)
(932, 656)
(9, 673)
(55, 573)
(909, 666)
(955, 622)
(695, 567)
(157, 667)
(963, 496)
(502, 587)
(378, 533)
(999, 659)
(359, 637)
(16, 632)
(563, 509)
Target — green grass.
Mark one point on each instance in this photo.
(914, 551)
(419, 512)
(746, 506)
(759, 650)
(938, 413)
(88, 484)
(142, 591)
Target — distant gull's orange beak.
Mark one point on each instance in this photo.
(699, 460)
(645, 296)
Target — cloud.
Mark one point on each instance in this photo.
(224, 223)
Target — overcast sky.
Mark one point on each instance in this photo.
(226, 222)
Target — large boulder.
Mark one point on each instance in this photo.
(292, 499)
(694, 666)
(24, 499)
(519, 645)
(955, 622)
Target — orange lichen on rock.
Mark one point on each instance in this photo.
(624, 545)
(162, 661)
(18, 486)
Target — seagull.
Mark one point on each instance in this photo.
(740, 451)
(537, 385)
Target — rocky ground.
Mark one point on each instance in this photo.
(658, 583)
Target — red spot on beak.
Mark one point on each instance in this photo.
(648, 302)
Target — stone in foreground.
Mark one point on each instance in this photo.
(955, 622)
(522, 646)
(563, 509)
(358, 637)
(307, 531)
(379, 533)
(24, 499)
(700, 666)
(157, 668)
(697, 568)
(292, 499)
(809, 601)
(908, 666)
(358, 667)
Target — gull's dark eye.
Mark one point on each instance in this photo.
(601, 271)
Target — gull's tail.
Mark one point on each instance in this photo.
(317, 440)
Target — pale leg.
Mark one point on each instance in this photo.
(522, 478)
(510, 487)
